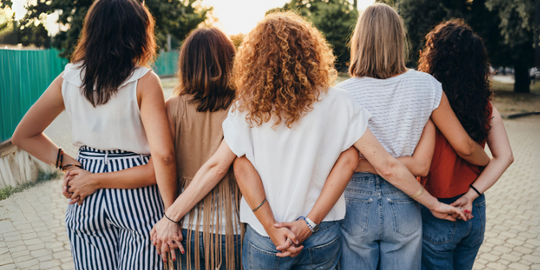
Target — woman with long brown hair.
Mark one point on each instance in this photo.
(117, 110)
(292, 126)
(456, 57)
(208, 224)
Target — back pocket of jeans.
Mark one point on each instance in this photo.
(356, 216)
(326, 255)
(260, 258)
(406, 216)
(437, 231)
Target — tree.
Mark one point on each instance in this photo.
(32, 26)
(334, 18)
(174, 17)
(517, 27)
(420, 16)
(8, 28)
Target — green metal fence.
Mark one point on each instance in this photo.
(25, 74)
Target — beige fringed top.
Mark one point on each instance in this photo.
(198, 136)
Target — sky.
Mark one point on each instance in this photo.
(234, 16)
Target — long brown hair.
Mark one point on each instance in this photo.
(379, 43)
(117, 36)
(281, 69)
(204, 69)
(457, 58)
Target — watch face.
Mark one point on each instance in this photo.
(316, 228)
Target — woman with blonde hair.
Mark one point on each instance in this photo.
(117, 111)
(383, 226)
(292, 127)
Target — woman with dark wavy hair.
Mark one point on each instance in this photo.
(117, 111)
(456, 57)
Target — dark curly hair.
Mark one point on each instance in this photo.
(456, 57)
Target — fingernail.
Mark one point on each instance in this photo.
(174, 260)
(183, 252)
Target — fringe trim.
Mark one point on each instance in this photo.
(225, 197)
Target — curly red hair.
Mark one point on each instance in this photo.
(281, 69)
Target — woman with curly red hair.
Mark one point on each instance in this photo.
(292, 127)
(456, 57)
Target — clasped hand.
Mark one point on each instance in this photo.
(167, 236)
(289, 236)
(78, 184)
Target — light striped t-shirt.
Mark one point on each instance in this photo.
(400, 107)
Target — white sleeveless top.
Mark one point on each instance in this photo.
(114, 125)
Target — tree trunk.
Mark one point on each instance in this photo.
(522, 80)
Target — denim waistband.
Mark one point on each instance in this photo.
(369, 183)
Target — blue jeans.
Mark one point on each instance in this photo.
(183, 257)
(382, 228)
(321, 250)
(453, 245)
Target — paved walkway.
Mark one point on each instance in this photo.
(32, 233)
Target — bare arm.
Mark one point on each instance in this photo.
(399, 176)
(445, 119)
(206, 178)
(502, 158)
(333, 188)
(252, 189)
(420, 162)
(83, 183)
(156, 125)
(29, 134)
(335, 184)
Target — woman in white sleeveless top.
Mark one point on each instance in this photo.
(117, 110)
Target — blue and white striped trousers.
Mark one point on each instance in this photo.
(111, 229)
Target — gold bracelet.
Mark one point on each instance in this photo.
(418, 193)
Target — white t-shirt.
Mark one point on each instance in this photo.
(400, 107)
(294, 163)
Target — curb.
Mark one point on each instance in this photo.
(517, 115)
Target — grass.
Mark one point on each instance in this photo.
(42, 177)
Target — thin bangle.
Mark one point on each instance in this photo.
(58, 157)
(418, 193)
(476, 190)
(171, 219)
(257, 208)
(74, 165)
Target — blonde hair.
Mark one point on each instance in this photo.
(281, 69)
(379, 43)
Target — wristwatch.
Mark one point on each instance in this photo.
(313, 227)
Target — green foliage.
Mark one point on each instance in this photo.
(32, 26)
(486, 18)
(6, 3)
(237, 40)
(175, 17)
(334, 18)
(517, 28)
(8, 28)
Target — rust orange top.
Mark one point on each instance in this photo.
(449, 175)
